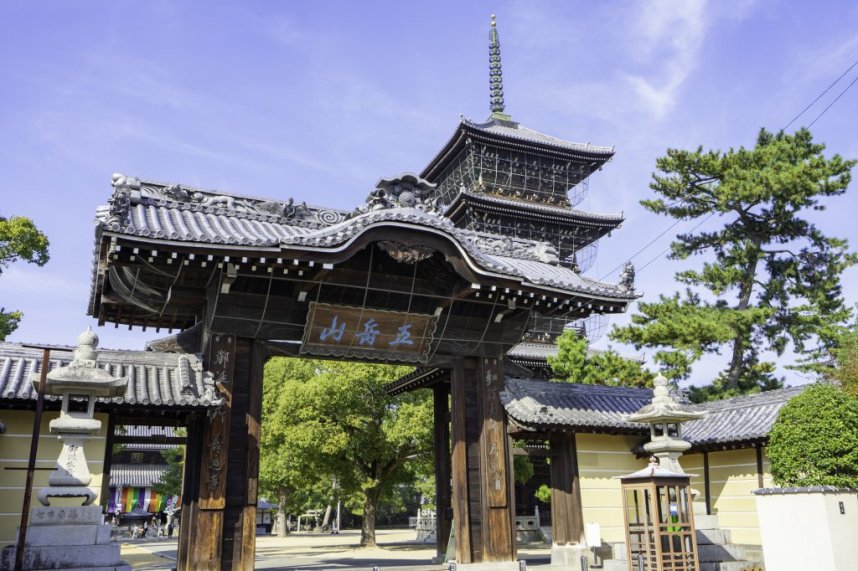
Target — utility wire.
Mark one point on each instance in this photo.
(835, 99)
(827, 89)
(794, 119)
(648, 244)
(663, 252)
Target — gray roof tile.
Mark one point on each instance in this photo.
(546, 405)
(513, 130)
(156, 379)
(597, 408)
(739, 419)
(136, 475)
(176, 221)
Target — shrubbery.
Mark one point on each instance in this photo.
(814, 441)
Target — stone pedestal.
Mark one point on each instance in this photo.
(489, 566)
(569, 556)
(67, 538)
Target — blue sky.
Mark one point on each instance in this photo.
(317, 100)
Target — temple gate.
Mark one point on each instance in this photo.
(444, 270)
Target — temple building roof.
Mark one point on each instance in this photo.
(541, 406)
(158, 216)
(739, 419)
(136, 475)
(156, 380)
(579, 408)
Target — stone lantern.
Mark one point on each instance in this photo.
(73, 537)
(79, 383)
(665, 417)
(657, 500)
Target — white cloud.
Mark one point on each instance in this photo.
(667, 41)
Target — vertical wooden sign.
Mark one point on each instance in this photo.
(221, 359)
(494, 437)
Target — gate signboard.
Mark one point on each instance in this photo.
(347, 331)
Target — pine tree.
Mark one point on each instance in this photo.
(770, 278)
(575, 363)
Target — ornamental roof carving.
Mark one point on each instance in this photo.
(404, 191)
(171, 214)
(132, 197)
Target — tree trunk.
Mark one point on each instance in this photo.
(367, 530)
(282, 523)
(327, 517)
(739, 345)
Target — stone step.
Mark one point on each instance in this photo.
(706, 522)
(615, 565)
(713, 536)
(718, 553)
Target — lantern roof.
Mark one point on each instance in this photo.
(653, 471)
(82, 375)
(664, 408)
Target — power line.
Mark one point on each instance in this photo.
(650, 243)
(663, 252)
(835, 100)
(827, 89)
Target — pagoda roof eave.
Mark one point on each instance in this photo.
(515, 135)
(609, 221)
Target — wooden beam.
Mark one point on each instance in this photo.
(707, 483)
(108, 460)
(190, 494)
(498, 504)
(459, 464)
(567, 520)
(441, 394)
(759, 450)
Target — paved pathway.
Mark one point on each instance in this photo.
(397, 551)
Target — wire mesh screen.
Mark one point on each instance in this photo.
(514, 173)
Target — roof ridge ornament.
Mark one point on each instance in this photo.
(406, 190)
(496, 75)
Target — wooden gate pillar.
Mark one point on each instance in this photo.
(441, 393)
(567, 521)
(221, 522)
(483, 502)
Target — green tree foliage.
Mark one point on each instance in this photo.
(770, 277)
(575, 364)
(19, 240)
(522, 468)
(844, 368)
(812, 442)
(326, 419)
(543, 494)
(171, 480)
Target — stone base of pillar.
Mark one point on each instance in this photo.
(489, 566)
(67, 538)
(569, 556)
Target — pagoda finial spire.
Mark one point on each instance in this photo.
(495, 74)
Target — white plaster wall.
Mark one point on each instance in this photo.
(802, 531)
